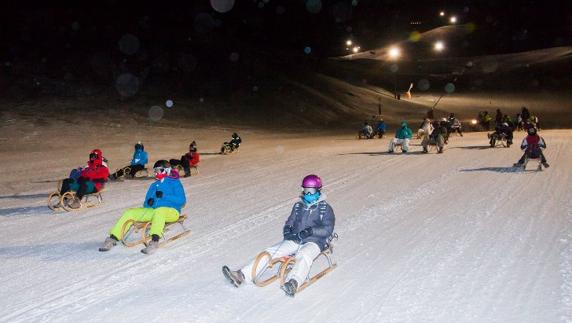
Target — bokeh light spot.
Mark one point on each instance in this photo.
(393, 68)
(234, 57)
(415, 36)
(423, 84)
(222, 6)
(314, 6)
(470, 27)
(169, 103)
(307, 50)
(449, 88)
(156, 113)
(127, 84)
(129, 44)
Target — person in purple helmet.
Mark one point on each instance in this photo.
(305, 233)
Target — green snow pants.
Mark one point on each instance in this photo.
(158, 217)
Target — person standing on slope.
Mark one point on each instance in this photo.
(163, 202)
(306, 234)
(402, 137)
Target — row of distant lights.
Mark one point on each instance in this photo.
(395, 52)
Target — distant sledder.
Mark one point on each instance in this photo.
(402, 137)
(308, 235)
(137, 166)
(366, 132)
(232, 145)
(189, 161)
(502, 136)
(533, 145)
(161, 209)
(436, 138)
(83, 183)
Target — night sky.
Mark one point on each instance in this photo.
(70, 41)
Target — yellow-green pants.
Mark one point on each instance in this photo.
(158, 217)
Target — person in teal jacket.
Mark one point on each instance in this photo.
(163, 202)
(138, 162)
(402, 137)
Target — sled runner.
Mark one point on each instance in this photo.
(134, 232)
(144, 173)
(61, 202)
(283, 265)
(526, 160)
(228, 148)
(497, 140)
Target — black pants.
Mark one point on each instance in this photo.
(184, 161)
(532, 154)
(134, 170)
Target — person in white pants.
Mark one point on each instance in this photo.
(304, 254)
(402, 137)
(306, 234)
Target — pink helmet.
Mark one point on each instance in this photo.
(312, 181)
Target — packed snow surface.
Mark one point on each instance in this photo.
(455, 237)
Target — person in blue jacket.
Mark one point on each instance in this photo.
(138, 162)
(163, 202)
(305, 233)
(402, 137)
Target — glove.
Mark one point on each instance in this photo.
(305, 233)
(159, 194)
(288, 235)
(150, 201)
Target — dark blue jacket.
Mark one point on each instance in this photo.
(319, 216)
(173, 193)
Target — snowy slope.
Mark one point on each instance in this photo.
(423, 238)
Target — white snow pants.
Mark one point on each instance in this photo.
(304, 254)
(403, 142)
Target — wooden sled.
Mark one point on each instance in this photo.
(144, 173)
(287, 263)
(60, 202)
(134, 232)
(527, 159)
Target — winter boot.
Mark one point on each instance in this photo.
(440, 150)
(108, 244)
(545, 164)
(151, 247)
(290, 287)
(75, 203)
(234, 277)
(425, 150)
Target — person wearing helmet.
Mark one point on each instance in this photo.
(87, 180)
(454, 125)
(402, 137)
(380, 128)
(533, 145)
(503, 129)
(188, 160)
(367, 131)
(163, 202)
(235, 141)
(138, 162)
(305, 235)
